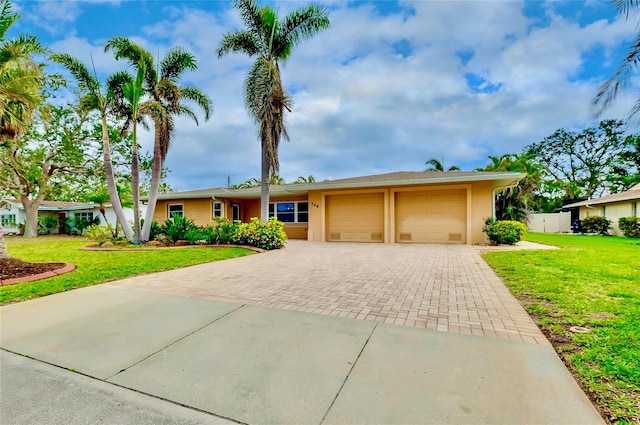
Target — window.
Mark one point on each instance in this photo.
(86, 216)
(218, 209)
(9, 220)
(290, 212)
(634, 209)
(175, 209)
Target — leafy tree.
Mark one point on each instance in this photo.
(578, 163)
(625, 171)
(271, 42)
(57, 149)
(436, 165)
(20, 85)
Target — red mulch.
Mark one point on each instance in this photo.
(13, 268)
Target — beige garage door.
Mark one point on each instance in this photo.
(432, 216)
(355, 218)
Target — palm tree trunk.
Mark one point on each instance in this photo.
(264, 187)
(111, 182)
(135, 187)
(156, 174)
(4, 254)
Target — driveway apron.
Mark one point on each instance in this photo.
(404, 334)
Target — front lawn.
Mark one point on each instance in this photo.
(592, 282)
(95, 267)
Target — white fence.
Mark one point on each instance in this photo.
(550, 222)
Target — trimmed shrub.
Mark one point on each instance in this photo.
(596, 224)
(269, 235)
(222, 232)
(504, 232)
(630, 226)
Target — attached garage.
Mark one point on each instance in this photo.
(355, 218)
(431, 216)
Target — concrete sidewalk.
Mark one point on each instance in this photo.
(108, 354)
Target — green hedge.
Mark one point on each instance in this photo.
(630, 226)
(596, 224)
(507, 232)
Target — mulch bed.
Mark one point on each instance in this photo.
(13, 268)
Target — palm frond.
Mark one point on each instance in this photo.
(298, 25)
(197, 96)
(86, 81)
(241, 41)
(250, 14)
(176, 61)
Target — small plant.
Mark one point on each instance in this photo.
(177, 226)
(504, 232)
(48, 223)
(596, 224)
(100, 234)
(195, 235)
(630, 226)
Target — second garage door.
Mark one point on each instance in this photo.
(432, 216)
(355, 218)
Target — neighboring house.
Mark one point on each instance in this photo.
(419, 207)
(13, 215)
(623, 204)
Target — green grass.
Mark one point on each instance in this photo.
(95, 267)
(593, 281)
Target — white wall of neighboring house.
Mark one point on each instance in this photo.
(11, 217)
(559, 222)
(9, 210)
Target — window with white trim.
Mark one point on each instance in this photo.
(634, 209)
(290, 212)
(86, 216)
(218, 209)
(174, 209)
(9, 220)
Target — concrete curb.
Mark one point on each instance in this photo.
(57, 272)
(99, 248)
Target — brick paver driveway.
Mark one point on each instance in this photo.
(446, 288)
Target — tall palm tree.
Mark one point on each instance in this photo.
(20, 85)
(95, 99)
(270, 41)
(436, 165)
(620, 78)
(166, 98)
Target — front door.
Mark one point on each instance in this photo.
(235, 212)
(62, 218)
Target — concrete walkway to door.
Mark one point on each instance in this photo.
(446, 288)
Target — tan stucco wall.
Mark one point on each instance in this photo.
(612, 211)
(479, 207)
(200, 210)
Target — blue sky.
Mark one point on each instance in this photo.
(390, 85)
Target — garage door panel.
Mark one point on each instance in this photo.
(355, 218)
(437, 216)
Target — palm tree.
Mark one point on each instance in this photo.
(166, 99)
(20, 85)
(94, 99)
(303, 179)
(270, 41)
(620, 78)
(437, 166)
